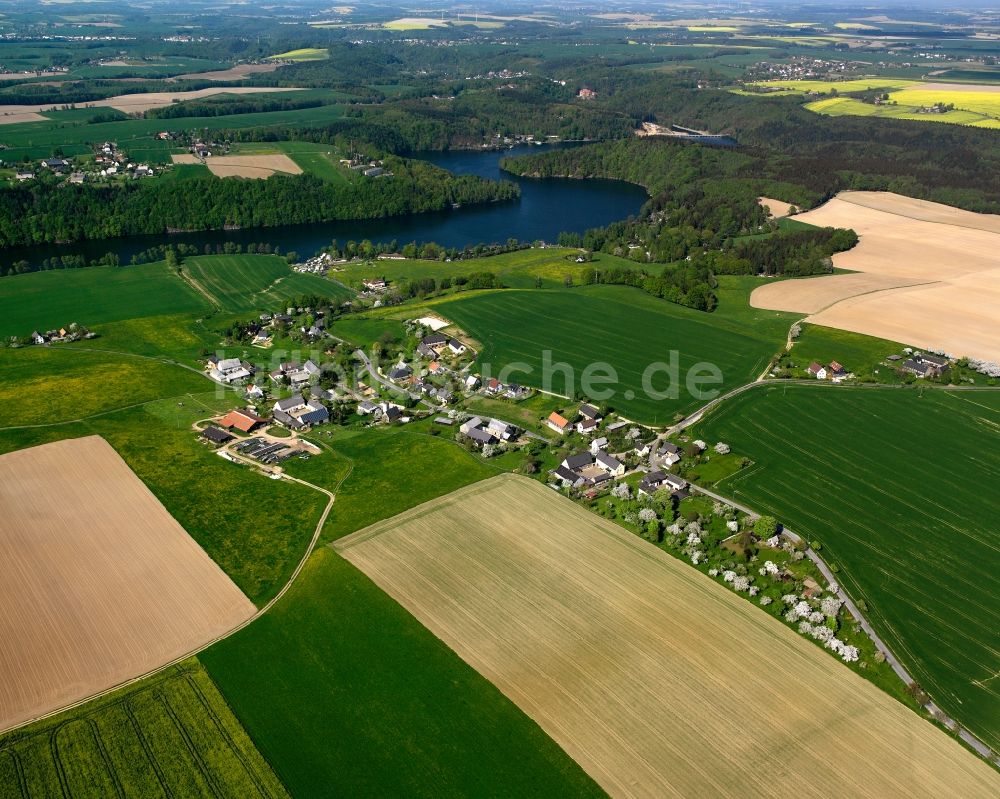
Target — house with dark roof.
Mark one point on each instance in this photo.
(289, 404)
(579, 461)
(216, 435)
(610, 464)
(587, 426)
(654, 481)
(481, 436)
(588, 411)
(567, 477)
(401, 373)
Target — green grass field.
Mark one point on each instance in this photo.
(364, 701)
(625, 328)
(72, 133)
(363, 331)
(517, 269)
(858, 353)
(899, 487)
(244, 283)
(50, 385)
(321, 160)
(391, 470)
(256, 529)
(91, 296)
(170, 735)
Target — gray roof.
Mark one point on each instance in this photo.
(608, 462)
(579, 460)
(317, 415)
(400, 372)
(589, 411)
(287, 420)
(918, 366)
(565, 474)
(216, 435)
(480, 435)
(288, 403)
(673, 449)
(434, 340)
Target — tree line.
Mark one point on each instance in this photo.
(39, 213)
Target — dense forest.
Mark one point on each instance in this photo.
(46, 213)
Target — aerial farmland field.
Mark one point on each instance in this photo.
(899, 487)
(925, 274)
(53, 299)
(100, 584)
(657, 680)
(623, 327)
(169, 735)
(243, 283)
(359, 699)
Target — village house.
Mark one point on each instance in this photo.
(923, 365)
(610, 464)
(598, 444)
(401, 373)
(579, 461)
(557, 423)
(588, 411)
(374, 284)
(817, 370)
(493, 386)
(668, 453)
(654, 481)
(587, 427)
(567, 477)
(296, 412)
(229, 370)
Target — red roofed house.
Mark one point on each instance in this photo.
(557, 423)
(244, 421)
(817, 371)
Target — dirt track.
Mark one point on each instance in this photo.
(930, 275)
(98, 583)
(658, 681)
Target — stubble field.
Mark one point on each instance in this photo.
(99, 583)
(244, 166)
(930, 275)
(899, 487)
(658, 681)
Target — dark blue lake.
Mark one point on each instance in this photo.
(546, 208)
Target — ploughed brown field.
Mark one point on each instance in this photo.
(929, 275)
(657, 680)
(98, 583)
(243, 166)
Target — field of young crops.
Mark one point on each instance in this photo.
(91, 296)
(244, 283)
(171, 735)
(656, 680)
(899, 487)
(348, 695)
(625, 328)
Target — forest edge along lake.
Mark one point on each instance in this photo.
(547, 207)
